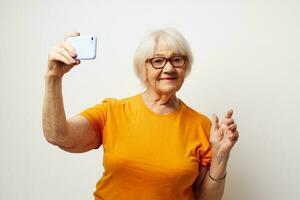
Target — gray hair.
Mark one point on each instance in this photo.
(146, 49)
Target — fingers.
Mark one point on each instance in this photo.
(232, 127)
(69, 49)
(72, 34)
(61, 58)
(234, 136)
(229, 114)
(232, 132)
(229, 126)
(63, 52)
(58, 53)
(228, 122)
(215, 121)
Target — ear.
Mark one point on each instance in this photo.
(187, 69)
(144, 76)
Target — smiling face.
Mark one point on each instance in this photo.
(167, 80)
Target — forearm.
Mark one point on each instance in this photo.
(210, 189)
(54, 118)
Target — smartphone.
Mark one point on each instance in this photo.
(85, 46)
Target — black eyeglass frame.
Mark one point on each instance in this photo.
(167, 60)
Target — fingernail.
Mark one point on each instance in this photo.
(73, 53)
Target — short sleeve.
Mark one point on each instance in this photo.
(97, 115)
(205, 151)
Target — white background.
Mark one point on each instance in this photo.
(246, 58)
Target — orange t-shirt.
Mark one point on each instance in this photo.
(148, 155)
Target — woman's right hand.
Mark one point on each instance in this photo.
(62, 58)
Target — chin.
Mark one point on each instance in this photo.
(167, 89)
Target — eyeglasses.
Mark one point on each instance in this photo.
(160, 62)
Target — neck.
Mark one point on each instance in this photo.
(155, 99)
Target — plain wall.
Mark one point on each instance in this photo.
(246, 58)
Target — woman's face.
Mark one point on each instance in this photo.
(167, 80)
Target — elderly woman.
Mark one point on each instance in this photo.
(155, 146)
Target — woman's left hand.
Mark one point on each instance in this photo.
(223, 136)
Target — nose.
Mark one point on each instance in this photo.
(168, 67)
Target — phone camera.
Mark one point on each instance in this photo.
(92, 38)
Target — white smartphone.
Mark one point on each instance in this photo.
(85, 46)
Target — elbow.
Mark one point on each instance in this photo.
(59, 139)
(50, 138)
(54, 133)
(54, 137)
(48, 134)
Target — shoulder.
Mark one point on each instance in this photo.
(197, 116)
(120, 102)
